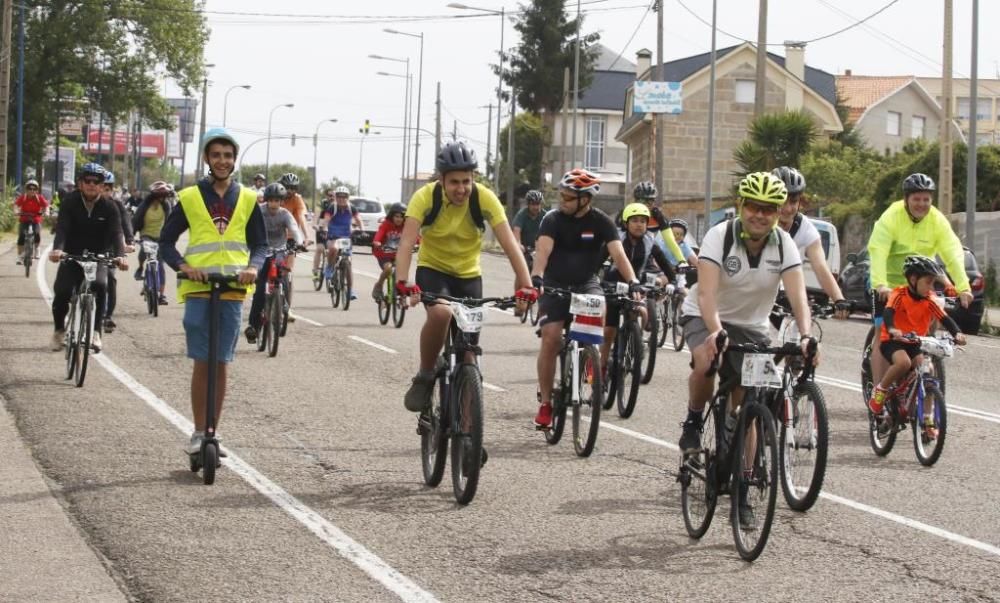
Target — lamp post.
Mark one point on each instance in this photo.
(315, 151)
(420, 90)
(361, 153)
(225, 100)
(270, 117)
(406, 128)
(204, 103)
(496, 173)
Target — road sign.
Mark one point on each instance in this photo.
(657, 97)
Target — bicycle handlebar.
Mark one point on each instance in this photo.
(223, 279)
(472, 302)
(87, 256)
(788, 349)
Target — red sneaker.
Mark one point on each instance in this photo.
(543, 420)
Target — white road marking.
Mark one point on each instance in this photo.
(964, 411)
(308, 320)
(347, 547)
(491, 387)
(377, 346)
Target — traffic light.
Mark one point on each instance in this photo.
(293, 140)
(367, 126)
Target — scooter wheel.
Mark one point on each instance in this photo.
(195, 465)
(210, 454)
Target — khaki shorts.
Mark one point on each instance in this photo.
(696, 332)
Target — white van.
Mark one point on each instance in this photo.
(831, 248)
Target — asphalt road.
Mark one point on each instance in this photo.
(322, 497)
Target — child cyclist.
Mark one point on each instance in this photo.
(386, 243)
(910, 310)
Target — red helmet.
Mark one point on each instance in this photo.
(581, 181)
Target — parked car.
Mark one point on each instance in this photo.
(371, 213)
(831, 249)
(854, 284)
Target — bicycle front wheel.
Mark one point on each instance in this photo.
(467, 437)
(698, 479)
(318, 278)
(650, 340)
(755, 481)
(387, 301)
(286, 304)
(71, 334)
(274, 320)
(678, 330)
(631, 370)
(431, 425)
(663, 316)
(29, 253)
(588, 407)
(83, 336)
(926, 444)
(265, 323)
(345, 292)
(335, 286)
(805, 432)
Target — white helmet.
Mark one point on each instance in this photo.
(342, 190)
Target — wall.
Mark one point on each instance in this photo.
(615, 153)
(987, 245)
(907, 102)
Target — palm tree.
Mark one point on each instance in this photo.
(775, 139)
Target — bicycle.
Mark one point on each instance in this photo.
(207, 459)
(788, 329)
(530, 313)
(317, 277)
(80, 320)
(456, 411)
(391, 302)
(651, 339)
(581, 385)
(738, 453)
(274, 316)
(905, 404)
(151, 276)
(337, 285)
(625, 358)
(28, 254)
(672, 310)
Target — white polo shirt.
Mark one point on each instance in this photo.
(806, 235)
(746, 289)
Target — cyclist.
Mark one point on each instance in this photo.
(87, 222)
(126, 223)
(259, 183)
(341, 218)
(807, 239)
(568, 256)
(645, 193)
(31, 205)
(293, 203)
(741, 264)
(910, 311)
(226, 235)
(386, 244)
(148, 222)
(912, 226)
(526, 223)
(640, 248)
(450, 216)
(322, 221)
(278, 221)
(679, 228)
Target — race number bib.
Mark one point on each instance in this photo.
(759, 371)
(586, 304)
(469, 320)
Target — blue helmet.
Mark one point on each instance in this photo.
(92, 169)
(219, 134)
(109, 178)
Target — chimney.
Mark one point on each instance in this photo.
(848, 73)
(795, 64)
(642, 62)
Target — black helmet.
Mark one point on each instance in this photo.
(456, 157)
(289, 180)
(917, 182)
(644, 190)
(794, 181)
(275, 190)
(534, 196)
(679, 224)
(397, 208)
(921, 265)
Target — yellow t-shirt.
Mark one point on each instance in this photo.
(153, 221)
(452, 244)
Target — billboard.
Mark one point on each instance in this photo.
(657, 97)
(185, 109)
(67, 164)
(153, 144)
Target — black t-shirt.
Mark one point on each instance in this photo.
(98, 230)
(576, 253)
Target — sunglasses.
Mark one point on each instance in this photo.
(32, 188)
(762, 209)
(92, 181)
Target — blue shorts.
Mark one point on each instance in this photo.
(196, 328)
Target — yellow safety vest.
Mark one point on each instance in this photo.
(210, 251)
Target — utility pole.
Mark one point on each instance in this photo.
(562, 130)
(5, 54)
(19, 174)
(576, 79)
(944, 176)
(711, 131)
(489, 137)
(437, 127)
(510, 151)
(761, 88)
(658, 163)
(454, 130)
(970, 189)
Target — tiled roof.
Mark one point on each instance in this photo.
(862, 91)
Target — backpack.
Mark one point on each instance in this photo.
(796, 225)
(727, 242)
(474, 209)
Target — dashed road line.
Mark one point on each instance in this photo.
(368, 342)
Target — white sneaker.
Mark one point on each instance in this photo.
(95, 341)
(58, 340)
(194, 446)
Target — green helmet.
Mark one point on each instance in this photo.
(763, 187)
(219, 134)
(634, 209)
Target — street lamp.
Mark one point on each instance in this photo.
(496, 173)
(315, 150)
(270, 117)
(406, 128)
(225, 100)
(420, 90)
(361, 153)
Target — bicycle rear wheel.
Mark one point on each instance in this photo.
(86, 329)
(432, 425)
(755, 480)
(650, 340)
(589, 406)
(274, 320)
(805, 432)
(698, 478)
(467, 438)
(678, 330)
(929, 449)
(533, 313)
(631, 370)
(345, 291)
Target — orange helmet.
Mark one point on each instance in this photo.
(581, 181)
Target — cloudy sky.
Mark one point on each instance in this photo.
(314, 53)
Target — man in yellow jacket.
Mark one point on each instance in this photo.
(226, 236)
(911, 226)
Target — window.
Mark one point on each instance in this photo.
(983, 108)
(892, 123)
(366, 206)
(595, 128)
(746, 91)
(917, 126)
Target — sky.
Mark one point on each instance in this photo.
(315, 54)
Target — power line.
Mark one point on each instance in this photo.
(632, 37)
(461, 121)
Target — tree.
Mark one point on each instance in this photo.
(849, 136)
(107, 54)
(775, 139)
(528, 137)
